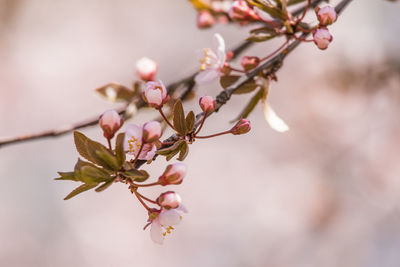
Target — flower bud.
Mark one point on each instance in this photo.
(146, 68)
(229, 55)
(151, 131)
(169, 200)
(249, 63)
(240, 10)
(207, 104)
(241, 127)
(322, 38)
(173, 174)
(155, 94)
(326, 15)
(205, 19)
(110, 122)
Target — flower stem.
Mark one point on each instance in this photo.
(301, 39)
(276, 51)
(201, 124)
(165, 118)
(141, 200)
(213, 135)
(238, 70)
(109, 144)
(146, 185)
(138, 154)
(146, 198)
(305, 11)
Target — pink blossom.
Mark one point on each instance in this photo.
(155, 94)
(326, 15)
(169, 200)
(212, 61)
(151, 131)
(322, 38)
(207, 103)
(242, 126)
(110, 122)
(134, 141)
(146, 68)
(173, 174)
(164, 223)
(205, 19)
(240, 10)
(249, 63)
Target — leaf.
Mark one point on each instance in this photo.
(80, 189)
(260, 37)
(272, 119)
(119, 149)
(170, 149)
(251, 105)
(104, 186)
(87, 148)
(107, 159)
(272, 10)
(179, 118)
(137, 175)
(248, 87)
(92, 174)
(172, 154)
(184, 151)
(293, 2)
(190, 121)
(200, 5)
(115, 92)
(66, 176)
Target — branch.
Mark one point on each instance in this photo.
(188, 81)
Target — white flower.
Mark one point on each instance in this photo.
(133, 142)
(212, 61)
(146, 68)
(164, 223)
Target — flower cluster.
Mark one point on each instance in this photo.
(326, 16)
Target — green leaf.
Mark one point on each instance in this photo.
(260, 37)
(251, 105)
(137, 175)
(107, 159)
(88, 149)
(119, 149)
(115, 92)
(248, 87)
(272, 10)
(190, 121)
(172, 154)
(104, 186)
(184, 150)
(66, 176)
(80, 189)
(293, 2)
(92, 174)
(166, 151)
(179, 118)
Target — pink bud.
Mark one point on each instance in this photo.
(155, 94)
(249, 63)
(205, 19)
(240, 10)
(146, 68)
(326, 15)
(229, 55)
(207, 104)
(110, 122)
(173, 174)
(151, 131)
(322, 38)
(169, 200)
(241, 127)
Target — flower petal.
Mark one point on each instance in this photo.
(169, 217)
(133, 132)
(156, 233)
(206, 76)
(219, 48)
(148, 152)
(182, 208)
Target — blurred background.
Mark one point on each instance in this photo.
(326, 193)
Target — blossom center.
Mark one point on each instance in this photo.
(168, 230)
(206, 60)
(134, 144)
